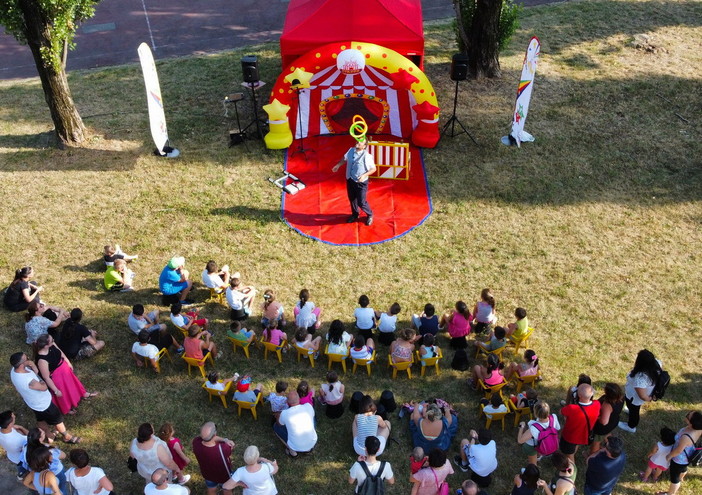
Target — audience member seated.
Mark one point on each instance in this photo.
(238, 333)
(214, 277)
(366, 424)
(215, 383)
(495, 341)
(331, 395)
(428, 479)
(279, 398)
(139, 321)
(490, 375)
(428, 350)
(362, 348)
(243, 390)
(197, 348)
(402, 349)
(479, 454)
(306, 314)
(240, 298)
(427, 322)
(387, 323)
(493, 406)
(338, 339)
(174, 280)
(484, 312)
(518, 330)
(76, 340)
(529, 367)
(295, 427)
(431, 427)
(142, 350)
(39, 322)
(304, 340)
(114, 253)
(272, 334)
(272, 310)
(184, 320)
(457, 324)
(365, 317)
(119, 278)
(22, 290)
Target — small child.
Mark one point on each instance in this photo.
(490, 375)
(494, 405)
(236, 332)
(497, 340)
(244, 393)
(119, 278)
(362, 348)
(365, 317)
(427, 322)
(113, 253)
(428, 349)
(529, 367)
(165, 433)
(272, 309)
(525, 399)
(657, 461)
(332, 394)
(418, 460)
(184, 320)
(304, 340)
(215, 383)
(518, 329)
(306, 393)
(278, 399)
(273, 334)
(387, 323)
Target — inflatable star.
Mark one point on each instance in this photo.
(402, 79)
(299, 78)
(425, 110)
(276, 110)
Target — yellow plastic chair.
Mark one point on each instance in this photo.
(497, 352)
(488, 390)
(277, 349)
(401, 366)
(240, 343)
(518, 342)
(519, 412)
(336, 358)
(222, 394)
(182, 330)
(157, 365)
(530, 380)
(198, 363)
(304, 352)
(217, 297)
(494, 416)
(429, 362)
(363, 362)
(251, 406)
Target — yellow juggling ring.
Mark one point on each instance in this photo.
(358, 128)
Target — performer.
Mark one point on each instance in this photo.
(359, 166)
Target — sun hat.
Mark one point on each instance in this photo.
(176, 262)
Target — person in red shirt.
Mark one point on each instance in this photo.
(580, 419)
(213, 454)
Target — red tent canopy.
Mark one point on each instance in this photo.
(395, 24)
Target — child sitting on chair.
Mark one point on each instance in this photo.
(428, 349)
(278, 399)
(273, 334)
(490, 375)
(215, 383)
(518, 329)
(494, 405)
(303, 340)
(243, 392)
(114, 253)
(272, 310)
(236, 332)
(525, 399)
(197, 348)
(497, 340)
(362, 348)
(529, 367)
(185, 320)
(215, 278)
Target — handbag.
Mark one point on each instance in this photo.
(443, 487)
(132, 464)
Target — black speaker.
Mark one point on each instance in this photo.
(249, 67)
(459, 67)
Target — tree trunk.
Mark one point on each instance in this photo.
(483, 59)
(69, 127)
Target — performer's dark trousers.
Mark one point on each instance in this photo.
(357, 197)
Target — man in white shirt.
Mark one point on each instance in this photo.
(25, 377)
(12, 439)
(160, 486)
(295, 426)
(357, 473)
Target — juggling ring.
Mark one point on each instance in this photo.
(358, 128)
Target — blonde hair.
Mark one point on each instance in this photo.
(251, 455)
(542, 410)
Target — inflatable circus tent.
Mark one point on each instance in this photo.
(351, 60)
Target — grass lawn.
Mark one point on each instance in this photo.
(594, 228)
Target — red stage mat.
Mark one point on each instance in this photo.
(320, 210)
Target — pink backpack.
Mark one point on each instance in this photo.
(547, 441)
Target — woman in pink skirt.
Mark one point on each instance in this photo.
(57, 372)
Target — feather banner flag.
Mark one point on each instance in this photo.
(524, 90)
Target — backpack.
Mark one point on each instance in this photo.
(373, 484)
(460, 360)
(662, 382)
(694, 459)
(547, 441)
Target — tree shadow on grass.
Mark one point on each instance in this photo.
(260, 215)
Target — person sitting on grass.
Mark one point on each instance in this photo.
(240, 297)
(76, 340)
(490, 375)
(272, 334)
(37, 324)
(196, 348)
(214, 277)
(517, 331)
(303, 340)
(387, 323)
(496, 340)
(184, 320)
(279, 398)
(427, 322)
(22, 290)
(365, 317)
(174, 280)
(114, 253)
(214, 382)
(236, 332)
(243, 390)
(142, 350)
(119, 278)
(139, 321)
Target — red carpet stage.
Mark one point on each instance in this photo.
(320, 210)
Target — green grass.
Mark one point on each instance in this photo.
(594, 228)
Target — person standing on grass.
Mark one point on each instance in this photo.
(638, 390)
(359, 166)
(256, 477)
(213, 454)
(25, 377)
(604, 467)
(370, 466)
(580, 419)
(12, 438)
(86, 479)
(679, 457)
(160, 486)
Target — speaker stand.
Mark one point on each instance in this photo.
(300, 147)
(253, 86)
(455, 120)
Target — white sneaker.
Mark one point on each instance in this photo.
(185, 479)
(626, 427)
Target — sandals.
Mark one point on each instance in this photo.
(90, 395)
(73, 439)
(290, 452)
